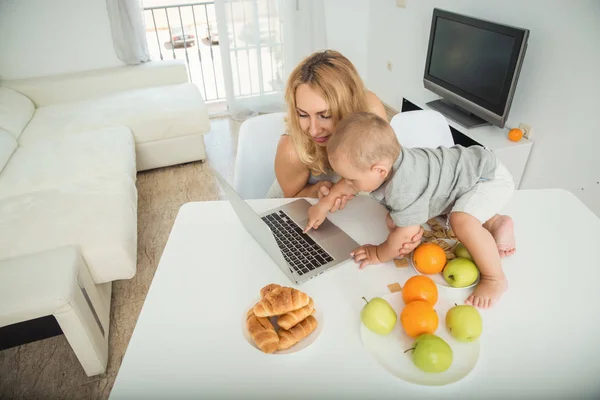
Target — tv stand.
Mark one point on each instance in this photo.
(457, 114)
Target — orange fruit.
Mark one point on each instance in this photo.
(429, 258)
(420, 287)
(515, 134)
(419, 317)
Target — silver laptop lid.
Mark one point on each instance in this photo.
(256, 227)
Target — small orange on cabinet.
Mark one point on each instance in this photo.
(515, 134)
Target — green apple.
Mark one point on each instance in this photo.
(464, 323)
(460, 272)
(378, 316)
(431, 353)
(461, 251)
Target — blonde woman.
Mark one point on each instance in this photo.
(320, 91)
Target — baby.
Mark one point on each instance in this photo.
(416, 184)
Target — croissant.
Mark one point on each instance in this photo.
(270, 287)
(262, 332)
(279, 301)
(288, 320)
(288, 338)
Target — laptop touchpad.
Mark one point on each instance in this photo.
(325, 231)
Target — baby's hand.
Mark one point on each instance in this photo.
(316, 215)
(366, 254)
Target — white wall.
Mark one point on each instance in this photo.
(47, 37)
(559, 87)
(346, 22)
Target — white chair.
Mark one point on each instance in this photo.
(258, 137)
(255, 161)
(422, 128)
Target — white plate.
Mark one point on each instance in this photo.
(439, 278)
(388, 350)
(304, 343)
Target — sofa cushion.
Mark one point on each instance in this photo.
(97, 215)
(53, 164)
(8, 145)
(16, 111)
(151, 114)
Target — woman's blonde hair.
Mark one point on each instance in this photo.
(334, 78)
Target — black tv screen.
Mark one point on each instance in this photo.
(474, 59)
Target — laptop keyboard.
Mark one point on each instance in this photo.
(299, 250)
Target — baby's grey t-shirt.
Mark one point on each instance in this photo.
(425, 183)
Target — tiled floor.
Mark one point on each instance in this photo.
(48, 369)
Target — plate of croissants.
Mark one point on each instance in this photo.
(283, 321)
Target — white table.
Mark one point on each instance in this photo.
(541, 340)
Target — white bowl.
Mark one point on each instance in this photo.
(303, 344)
(388, 350)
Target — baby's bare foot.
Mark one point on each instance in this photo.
(488, 292)
(503, 231)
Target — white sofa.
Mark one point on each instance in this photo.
(165, 113)
(69, 150)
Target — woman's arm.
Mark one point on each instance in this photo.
(292, 175)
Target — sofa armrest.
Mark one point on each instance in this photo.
(45, 91)
(37, 284)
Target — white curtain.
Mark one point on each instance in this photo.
(304, 29)
(128, 30)
(261, 41)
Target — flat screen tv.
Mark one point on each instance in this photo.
(474, 66)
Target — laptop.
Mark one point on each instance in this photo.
(279, 231)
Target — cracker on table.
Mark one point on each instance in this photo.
(432, 222)
(394, 287)
(444, 245)
(401, 262)
(440, 234)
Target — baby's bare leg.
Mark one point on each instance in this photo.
(407, 247)
(502, 229)
(395, 241)
(482, 246)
